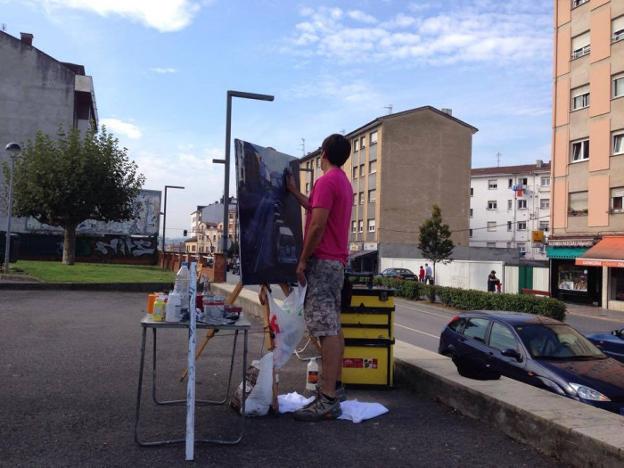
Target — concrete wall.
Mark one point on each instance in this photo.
(426, 160)
(36, 93)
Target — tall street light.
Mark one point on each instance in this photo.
(14, 150)
(226, 161)
(165, 213)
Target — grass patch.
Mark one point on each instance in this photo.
(56, 272)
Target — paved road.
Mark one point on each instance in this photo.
(420, 323)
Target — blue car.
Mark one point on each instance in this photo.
(535, 350)
(612, 343)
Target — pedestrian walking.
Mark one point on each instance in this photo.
(492, 281)
(421, 274)
(323, 259)
(428, 274)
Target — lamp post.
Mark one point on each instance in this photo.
(14, 150)
(165, 213)
(226, 161)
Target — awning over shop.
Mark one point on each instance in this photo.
(608, 252)
(565, 253)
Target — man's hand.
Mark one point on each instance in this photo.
(301, 267)
(291, 185)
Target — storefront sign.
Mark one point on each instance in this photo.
(599, 263)
(370, 246)
(570, 242)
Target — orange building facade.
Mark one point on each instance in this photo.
(588, 153)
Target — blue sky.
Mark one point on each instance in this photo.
(161, 69)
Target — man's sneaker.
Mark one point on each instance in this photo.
(341, 392)
(320, 409)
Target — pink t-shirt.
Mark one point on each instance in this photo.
(332, 191)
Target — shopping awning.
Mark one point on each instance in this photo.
(565, 253)
(608, 252)
(362, 253)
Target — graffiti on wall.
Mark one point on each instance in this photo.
(146, 222)
(125, 246)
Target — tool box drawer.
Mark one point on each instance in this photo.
(368, 323)
(368, 362)
(374, 298)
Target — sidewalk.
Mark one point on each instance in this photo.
(595, 312)
(69, 373)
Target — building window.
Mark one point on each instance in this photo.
(522, 204)
(522, 247)
(617, 195)
(509, 205)
(355, 172)
(580, 97)
(509, 183)
(360, 226)
(353, 227)
(371, 225)
(372, 167)
(617, 28)
(577, 203)
(318, 162)
(544, 203)
(372, 196)
(492, 184)
(373, 138)
(523, 181)
(361, 170)
(581, 45)
(572, 278)
(363, 142)
(521, 225)
(491, 245)
(544, 226)
(354, 199)
(471, 191)
(356, 145)
(307, 187)
(491, 205)
(491, 226)
(361, 198)
(308, 165)
(545, 181)
(580, 150)
(618, 85)
(471, 212)
(509, 245)
(618, 142)
(509, 225)
(617, 282)
(576, 3)
(469, 232)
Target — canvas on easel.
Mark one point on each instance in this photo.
(270, 236)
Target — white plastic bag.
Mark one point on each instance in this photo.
(259, 400)
(287, 323)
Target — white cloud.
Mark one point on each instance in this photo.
(359, 15)
(352, 92)
(117, 126)
(163, 70)
(163, 15)
(478, 31)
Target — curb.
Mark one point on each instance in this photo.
(122, 287)
(572, 432)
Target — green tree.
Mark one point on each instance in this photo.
(75, 177)
(435, 239)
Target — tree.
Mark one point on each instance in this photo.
(75, 177)
(435, 239)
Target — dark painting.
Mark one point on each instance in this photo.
(269, 216)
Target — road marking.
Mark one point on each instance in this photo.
(604, 319)
(418, 331)
(416, 309)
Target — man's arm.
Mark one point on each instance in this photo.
(300, 197)
(318, 223)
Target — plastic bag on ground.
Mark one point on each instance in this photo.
(287, 323)
(352, 410)
(292, 402)
(259, 399)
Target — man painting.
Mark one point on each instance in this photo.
(323, 258)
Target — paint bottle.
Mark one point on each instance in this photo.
(182, 283)
(159, 310)
(312, 378)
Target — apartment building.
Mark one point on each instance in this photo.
(39, 93)
(400, 165)
(586, 247)
(207, 227)
(510, 208)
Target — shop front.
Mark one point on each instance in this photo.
(569, 281)
(608, 256)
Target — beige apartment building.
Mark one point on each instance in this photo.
(400, 165)
(586, 248)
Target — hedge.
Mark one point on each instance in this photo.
(470, 299)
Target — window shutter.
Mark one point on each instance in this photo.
(618, 27)
(580, 41)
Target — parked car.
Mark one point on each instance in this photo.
(400, 273)
(611, 343)
(539, 351)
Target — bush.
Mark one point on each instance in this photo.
(470, 299)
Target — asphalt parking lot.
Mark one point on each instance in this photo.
(69, 373)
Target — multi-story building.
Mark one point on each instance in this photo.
(400, 166)
(510, 208)
(586, 248)
(39, 93)
(207, 227)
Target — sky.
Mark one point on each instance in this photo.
(161, 69)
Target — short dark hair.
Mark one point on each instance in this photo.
(337, 149)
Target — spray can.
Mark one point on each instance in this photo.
(312, 379)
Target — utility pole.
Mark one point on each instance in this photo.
(388, 108)
(498, 159)
(303, 153)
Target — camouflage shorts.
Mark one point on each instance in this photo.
(322, 303)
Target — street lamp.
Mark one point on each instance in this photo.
(165, 213)
(226, 161)
(14, 150)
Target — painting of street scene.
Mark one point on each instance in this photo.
(270, 217)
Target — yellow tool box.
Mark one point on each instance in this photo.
(367, 321)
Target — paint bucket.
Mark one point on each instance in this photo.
(150, 302)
